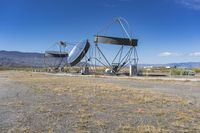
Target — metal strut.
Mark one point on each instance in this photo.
(123, 60)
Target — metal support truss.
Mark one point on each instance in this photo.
(129, 58)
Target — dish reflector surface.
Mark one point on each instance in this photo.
(78, 52)
(55, 54)
(115, 40)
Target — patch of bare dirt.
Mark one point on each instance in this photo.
(34, 102)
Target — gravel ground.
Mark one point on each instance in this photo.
(40, 102)
(183, 88)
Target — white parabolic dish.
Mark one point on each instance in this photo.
(78, 52)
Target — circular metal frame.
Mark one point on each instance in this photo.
(78, 52)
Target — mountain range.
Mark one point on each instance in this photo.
(21, 59)
(36, 60)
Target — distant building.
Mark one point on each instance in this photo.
(148, 67)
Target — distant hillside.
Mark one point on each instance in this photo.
(23, 59)
(179, 65)
(186, 64)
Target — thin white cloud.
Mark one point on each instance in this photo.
(196, 54)
(167, 54)
(192, 4)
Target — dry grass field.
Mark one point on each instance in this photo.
(39, 102)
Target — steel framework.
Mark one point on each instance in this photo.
(129, 58)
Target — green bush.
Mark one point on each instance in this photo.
(182, 72)
(176, 71)
(197, 70)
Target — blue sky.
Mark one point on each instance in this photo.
(168, 30)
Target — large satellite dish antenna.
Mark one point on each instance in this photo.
(56, 56)
(57, 59)
(126, 54)
(78, 52)
(122, 58)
